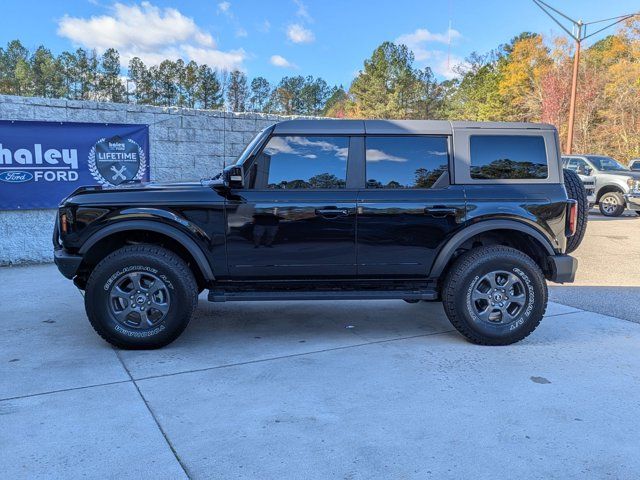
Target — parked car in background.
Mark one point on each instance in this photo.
(634, 165)
(616, 186)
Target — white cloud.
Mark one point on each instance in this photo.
(302, 11)
(149, 32)
(224, 7)
(441, 62)
(298, 34)
(422, 35)
(280, 61)
(265, 27)
(375, 155)
(241, 32)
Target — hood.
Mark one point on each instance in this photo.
(168, 193)
(622, 173)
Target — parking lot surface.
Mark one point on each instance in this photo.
(312, 390)
(608, 279)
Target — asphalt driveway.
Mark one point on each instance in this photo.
(311, 390)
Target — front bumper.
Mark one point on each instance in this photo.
(633, 201)
(67, 263)
(563, 268)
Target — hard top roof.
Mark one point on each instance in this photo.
(388, 127)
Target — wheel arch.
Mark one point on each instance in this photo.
(114, 233)
(496, 228)
(608, 188)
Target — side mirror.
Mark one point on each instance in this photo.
(233, 176)
(584, 170)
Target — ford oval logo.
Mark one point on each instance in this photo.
(15, 176)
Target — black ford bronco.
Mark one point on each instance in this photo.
(476, 215)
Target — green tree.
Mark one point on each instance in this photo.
(260, 93)
(209, 92)
(46, 76)
(188, 85)
(237, 91)
(336, 104)
(110, 86)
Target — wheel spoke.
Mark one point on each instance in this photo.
(135, 280)
(117, 292)
(144, 319)
(121, 315)
(161, 307)
(491, 278)
(478, 295)
(512, 280)
(518, 299)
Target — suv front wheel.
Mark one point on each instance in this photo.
(495, 295)
(141, 297)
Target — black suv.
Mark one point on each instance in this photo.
(475, 215)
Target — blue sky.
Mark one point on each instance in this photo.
(328, 38)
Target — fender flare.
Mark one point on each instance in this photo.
(462, 236)
(153, 226)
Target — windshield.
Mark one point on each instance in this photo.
(249, 148)
(606, 163)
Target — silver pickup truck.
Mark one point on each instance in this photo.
(616, 186)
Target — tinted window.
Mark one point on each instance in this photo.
(605, 163)
(508, 157)
(405, 162)
(295, 162)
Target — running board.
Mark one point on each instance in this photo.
(232, 296)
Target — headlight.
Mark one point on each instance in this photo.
(633, 184)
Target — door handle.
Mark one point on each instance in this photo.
(332, 212)
(440, 212)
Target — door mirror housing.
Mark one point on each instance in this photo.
(584, 170)
(233, 176)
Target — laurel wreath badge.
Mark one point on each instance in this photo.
(95, 173)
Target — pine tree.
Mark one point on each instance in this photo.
(237, 91)
(208, 93)
(110, 86)
(260, 93)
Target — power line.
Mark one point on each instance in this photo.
(579, 33)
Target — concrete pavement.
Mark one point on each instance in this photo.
(311, 390)
(608, 279)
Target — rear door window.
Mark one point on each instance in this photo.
(405, 161)
(499, 157)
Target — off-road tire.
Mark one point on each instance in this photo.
(181, 288)
(471, 266)
(618, 198)
(575, 190)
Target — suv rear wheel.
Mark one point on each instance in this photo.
(141, 297)
(611, 204)
(495, 295)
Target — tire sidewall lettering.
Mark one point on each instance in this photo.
(136, 268)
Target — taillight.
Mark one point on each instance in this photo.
(64, 225)
(573, 218)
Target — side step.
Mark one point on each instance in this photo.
(232, 296)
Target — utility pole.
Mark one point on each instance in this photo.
(579, 33)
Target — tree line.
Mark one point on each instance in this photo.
(85, 75)
(525, 79)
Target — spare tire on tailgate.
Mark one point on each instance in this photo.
(576, 191)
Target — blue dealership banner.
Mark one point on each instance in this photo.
(43, 162)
